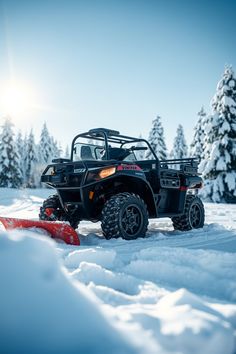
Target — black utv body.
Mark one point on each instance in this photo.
(104, 180)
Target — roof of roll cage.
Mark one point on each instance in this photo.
(98, 131)
(112, 135)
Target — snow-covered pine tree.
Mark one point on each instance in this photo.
(67, 152)
(219, 164)
(207, 125)
(59, 149)
(31, 160)
(140, 154)
(180, 148)
(21, 152)
(46, 152)
(157, 140)
(46, 148)
(10, 175)
(24, 156)
(196, 147)
(56, 148)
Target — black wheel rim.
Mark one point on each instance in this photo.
(195, 216)
(131, 220)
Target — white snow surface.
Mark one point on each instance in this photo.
(171, 292)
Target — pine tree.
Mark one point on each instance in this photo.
(9, 168)
(180, 148)
(20, 147)
(157, 140)
(24, 158)
(31, 160)
(56, 148)
(67, 152)
(197, 145)
(46, 146)
(219, 164)
(206, 127)
(59, 149)
(140, 154)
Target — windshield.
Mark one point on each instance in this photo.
(87, 152)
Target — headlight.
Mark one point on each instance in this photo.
(106, 172)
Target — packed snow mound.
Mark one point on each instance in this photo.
(183, 320)
(91, 272)
(96, 255)
(42, 310)
(192, 269)
(186, 321)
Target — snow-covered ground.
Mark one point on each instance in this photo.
(172, 292)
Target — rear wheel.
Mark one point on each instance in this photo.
(193, 217)
(124, 215)
(52, 210)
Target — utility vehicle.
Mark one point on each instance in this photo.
(107, 179)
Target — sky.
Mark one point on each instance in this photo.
(115, 64)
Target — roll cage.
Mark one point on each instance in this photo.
(108, 136)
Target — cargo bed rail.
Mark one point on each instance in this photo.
(186, 165)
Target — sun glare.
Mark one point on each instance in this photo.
(15, 99)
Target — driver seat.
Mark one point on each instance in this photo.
(86, 153)
(118, 154)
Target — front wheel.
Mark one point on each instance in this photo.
(193, 216)
(124, 215)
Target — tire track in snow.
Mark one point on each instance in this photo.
(171, 259)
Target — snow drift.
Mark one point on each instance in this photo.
(42, 311)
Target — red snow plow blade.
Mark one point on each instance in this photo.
(57, 230)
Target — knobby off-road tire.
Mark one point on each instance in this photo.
(124, 215)
(193, 216)
(58, 214)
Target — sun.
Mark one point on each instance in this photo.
(15, 98)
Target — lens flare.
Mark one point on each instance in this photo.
(15, 99)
